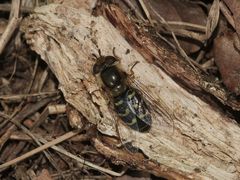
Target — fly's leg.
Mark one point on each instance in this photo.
(116, 56)
(114, 53)
(131, 73)
(95, 56)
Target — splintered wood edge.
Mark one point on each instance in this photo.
(138, 160)
(187, 134)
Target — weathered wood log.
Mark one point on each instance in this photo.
(188, 136)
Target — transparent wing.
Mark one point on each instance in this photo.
(139, 108)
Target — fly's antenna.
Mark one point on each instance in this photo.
(99, 52)
(97, 57)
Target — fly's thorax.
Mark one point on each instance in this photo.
(111, 77)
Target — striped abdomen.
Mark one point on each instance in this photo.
(133, 110)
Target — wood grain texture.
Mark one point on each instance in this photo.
(187, 134)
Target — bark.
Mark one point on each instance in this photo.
(188, 135)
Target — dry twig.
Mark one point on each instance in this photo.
(39, 149)
(12, 24)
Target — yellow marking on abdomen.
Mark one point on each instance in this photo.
(130, 96)
(135, 106)
(120, 102)
(127, 111)
(141, 116)
(133, 121)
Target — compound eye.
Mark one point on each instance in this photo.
(110, 60)
(96, 69)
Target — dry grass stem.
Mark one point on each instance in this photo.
(7, 7)
(134, 9)
(39, 149)
(11, 27)
(145, 10)
(12, 24)
(84, 162)
(19, 97)
(185, 25)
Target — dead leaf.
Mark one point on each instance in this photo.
(227, 59)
